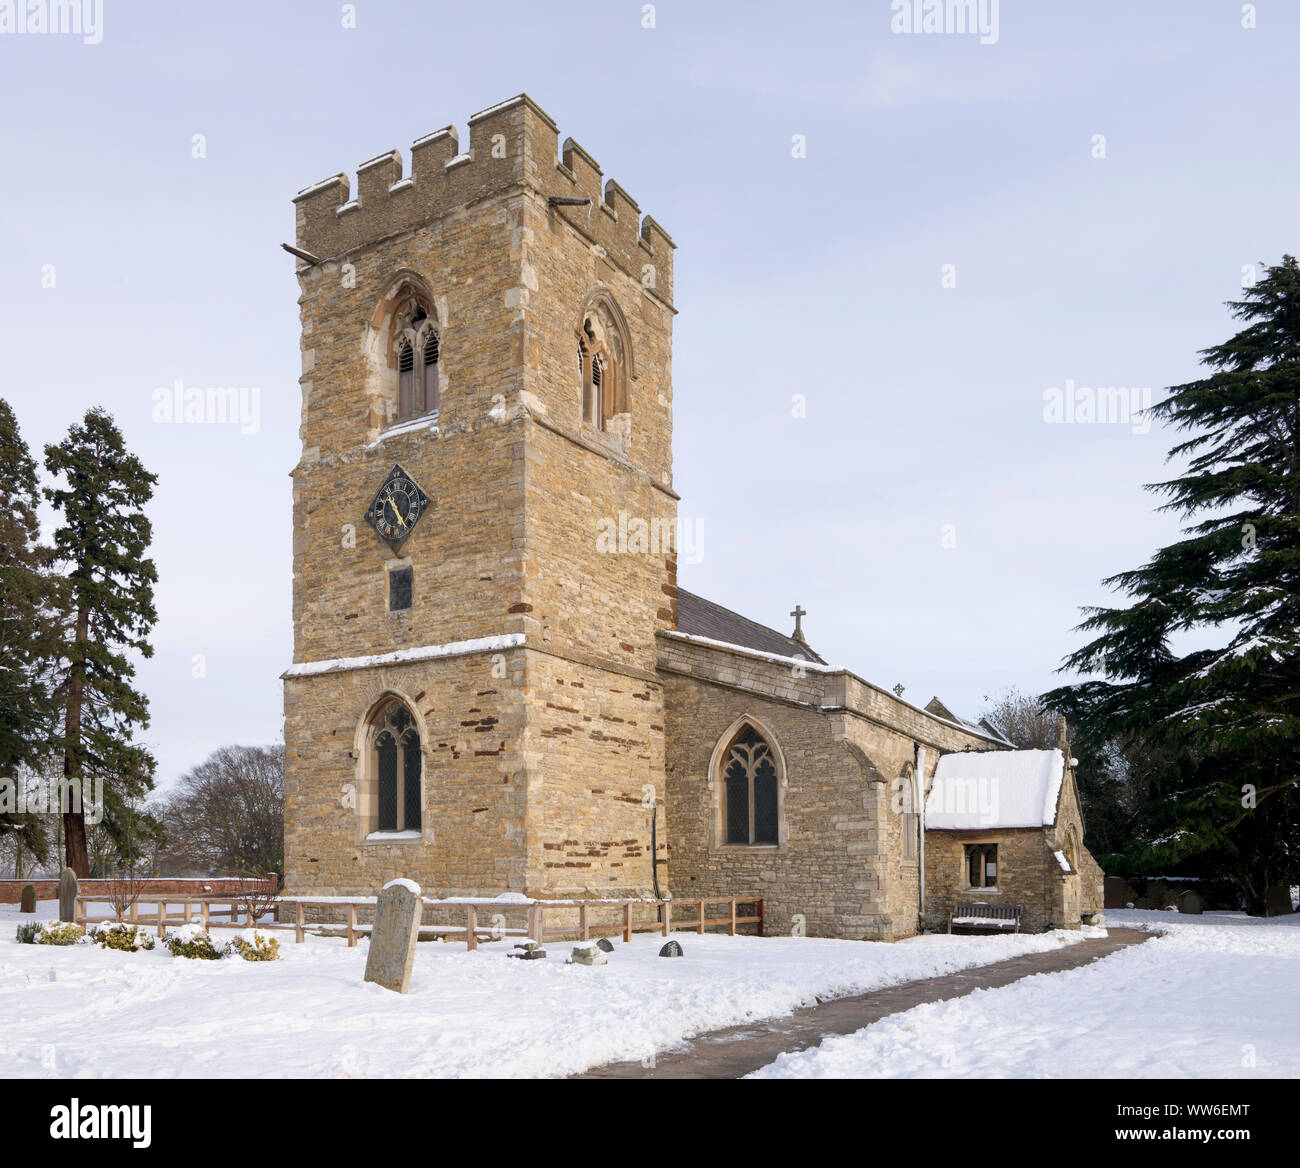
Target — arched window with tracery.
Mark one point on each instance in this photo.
(750, 790)
(603, 364)
(395, 769)
(417, 345)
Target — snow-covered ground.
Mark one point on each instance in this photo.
(86, 1011)
(1213, 996)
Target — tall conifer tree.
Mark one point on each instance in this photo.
(26, 627)
(1229, 715)
(102, 540)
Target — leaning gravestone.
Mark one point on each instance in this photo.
(1191, 902)
(28, 902)
(393, 937)
(69, 890)
(1277, 902)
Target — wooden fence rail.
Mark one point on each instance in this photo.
(671, 915)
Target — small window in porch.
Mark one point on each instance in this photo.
(982, 865)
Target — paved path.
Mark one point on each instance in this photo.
(738, 1050)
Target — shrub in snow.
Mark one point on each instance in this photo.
(121, 936)
(256, 946)
(27, 932)
(59, 933)
(191, 941)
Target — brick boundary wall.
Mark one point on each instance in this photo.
(11, 891)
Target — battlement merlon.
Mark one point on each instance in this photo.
(513, 144)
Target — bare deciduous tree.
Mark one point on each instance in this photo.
(226, 816)
(1022, 719)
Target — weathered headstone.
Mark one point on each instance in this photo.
(69, 890)
(1190, 901)
(1116, 892)
(393, 937)
(28, 902)
(672, 949)
(588, 953)
(606, 944)
(1144, 902)
(1277, 901)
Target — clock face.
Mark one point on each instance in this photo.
(397, 507)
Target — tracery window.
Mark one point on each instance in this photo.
(749, 778)
(395, 769)
(418, 345)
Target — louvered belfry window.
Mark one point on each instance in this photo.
(750, 790)
(430, 372)
(406, 382)
(398, 764)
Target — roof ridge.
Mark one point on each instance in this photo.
(756, 624)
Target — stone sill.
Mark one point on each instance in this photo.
(394, 837)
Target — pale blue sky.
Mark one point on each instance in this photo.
(817, 275)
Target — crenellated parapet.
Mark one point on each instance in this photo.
(511, 145)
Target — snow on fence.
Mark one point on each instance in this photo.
(679, 915)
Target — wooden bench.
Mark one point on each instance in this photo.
(1003, 918)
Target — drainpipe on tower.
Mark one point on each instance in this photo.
(918, 776)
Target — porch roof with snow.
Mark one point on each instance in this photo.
(981, 789)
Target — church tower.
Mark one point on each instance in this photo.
(483, 523)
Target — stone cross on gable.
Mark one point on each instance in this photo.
(799, 613)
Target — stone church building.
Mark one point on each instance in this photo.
(498, 686)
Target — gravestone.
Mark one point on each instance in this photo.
(1277, 901)
(1117, 892)
(588, 953)
(28, 902)
(672, 949)
(606, 944)
(1191, 902)
(69, 890)
(529, 951)
(393, 937)
(1144, 902)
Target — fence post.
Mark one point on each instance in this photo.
(700, 930)
(760, 918)
(627, 920)
(667, 915)
(352, 926)
(203, 914)
(731, 928)
(298, 923)
(582, 921)
(162, 919)
(471, 926)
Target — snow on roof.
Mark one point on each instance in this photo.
(995, 788)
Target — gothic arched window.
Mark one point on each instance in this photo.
(603, 363)
(418, 348)
(750, 790)
(395, 768)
